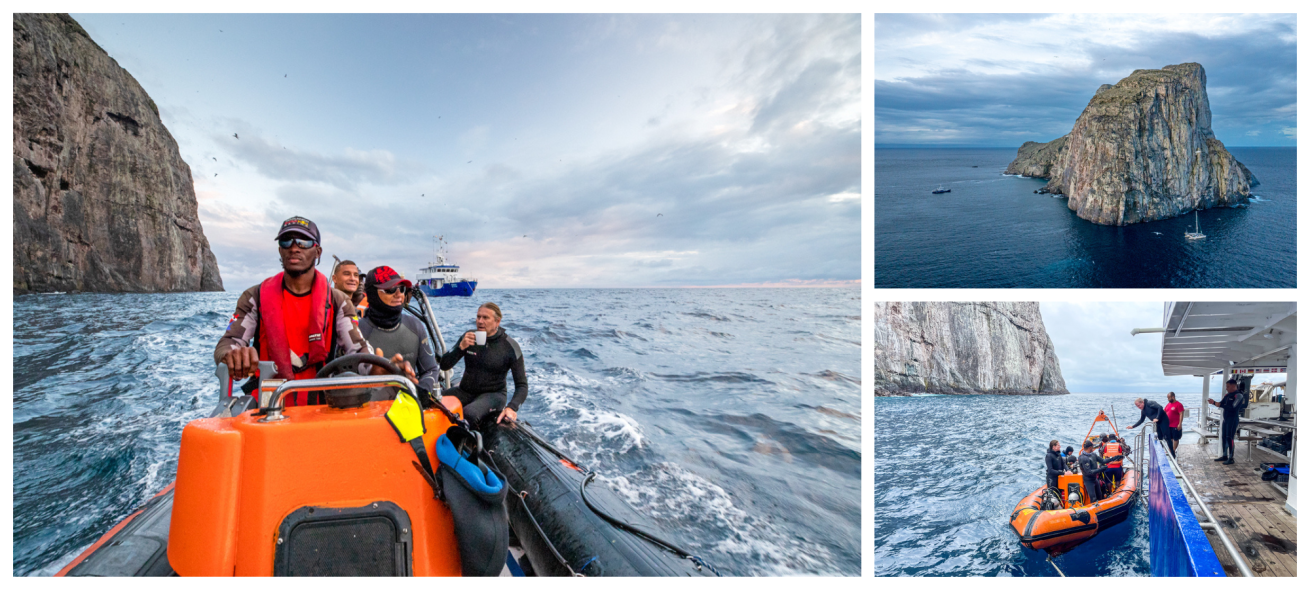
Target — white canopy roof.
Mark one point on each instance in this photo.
(1205, 336)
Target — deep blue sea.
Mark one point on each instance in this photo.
(991, 231)
(730, 416)
(949, 470)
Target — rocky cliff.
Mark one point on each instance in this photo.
(102, 198)
(1142, 150)
(963, 348)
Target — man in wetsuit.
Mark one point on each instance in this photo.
(1233, 403)
(1090, 465)
(397, 333)
(295, 318)
(1156, 414)
(483, 388)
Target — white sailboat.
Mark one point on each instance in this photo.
(1196, 235)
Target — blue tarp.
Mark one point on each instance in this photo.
(1179, 546)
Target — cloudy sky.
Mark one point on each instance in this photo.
(1003, 79)
(549, 150)
(1099, 354)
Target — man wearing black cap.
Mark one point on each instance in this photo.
(295, 319)
(1233, 403)
(389, 330)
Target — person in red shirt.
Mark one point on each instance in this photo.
(295, 319)
(1174, 410)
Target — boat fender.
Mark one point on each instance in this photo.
(475, 494)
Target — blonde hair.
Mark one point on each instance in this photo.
(494, 309)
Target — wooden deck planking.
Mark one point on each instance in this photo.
(1249, 509)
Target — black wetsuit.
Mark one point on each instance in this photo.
(1090, 464)
(1232, 405)
(1054, 469)
(483, 387)
(1153, 411)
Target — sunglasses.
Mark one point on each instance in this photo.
(397, 289)
(303, 243)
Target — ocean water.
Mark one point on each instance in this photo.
(949, 470)
(730, 416)
(991, 231)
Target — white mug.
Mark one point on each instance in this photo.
(480, 337)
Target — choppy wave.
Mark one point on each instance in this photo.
(744, 444)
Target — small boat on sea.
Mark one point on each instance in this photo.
(441, 278)
(1196, 235)
(1064, 519)
(335, 490)
(941, 190)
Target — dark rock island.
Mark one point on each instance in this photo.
(1142, 150)
(963, 348)
(102, 198)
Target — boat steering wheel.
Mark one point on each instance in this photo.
(339, 364)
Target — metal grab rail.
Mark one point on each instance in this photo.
(346, 382)
(1212, 523)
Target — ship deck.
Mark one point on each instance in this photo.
(1249, 509)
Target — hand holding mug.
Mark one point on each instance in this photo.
(468, 340)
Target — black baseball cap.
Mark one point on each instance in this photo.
(299, 226)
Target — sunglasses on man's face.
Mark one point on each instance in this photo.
(397, 289)
(303, 243)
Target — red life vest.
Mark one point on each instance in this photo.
(1112, 449)
(275, 345)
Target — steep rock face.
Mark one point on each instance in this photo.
(1142, 150)
(102, 198)
(1036, 159)
(963, 348)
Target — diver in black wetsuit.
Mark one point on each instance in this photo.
(1233, 403)
(1091, 465)
(1153, 411)
(483, 389)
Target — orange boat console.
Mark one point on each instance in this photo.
(249, 493)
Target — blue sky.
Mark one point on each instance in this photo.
(1099, 354)
(1003, 79)
(549, 150)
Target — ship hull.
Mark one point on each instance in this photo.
(456, 289)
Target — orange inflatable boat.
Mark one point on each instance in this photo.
(1042, 526)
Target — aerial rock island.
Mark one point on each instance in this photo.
(102, 199)
(1142, 150)
(963, 348)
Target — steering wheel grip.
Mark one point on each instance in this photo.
(355, 359)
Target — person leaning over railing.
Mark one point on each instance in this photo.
(1155, 413)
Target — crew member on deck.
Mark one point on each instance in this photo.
(1232, 404)
(1155, 413)
(295, 318)
(1174, 410)
(483, 387)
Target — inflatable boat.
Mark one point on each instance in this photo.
(369, 486)
(1063, 519)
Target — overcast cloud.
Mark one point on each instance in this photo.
(549, 150)
(1099, 354)
(1001, 80)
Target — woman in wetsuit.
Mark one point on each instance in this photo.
(483, 388)
(389, 331)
